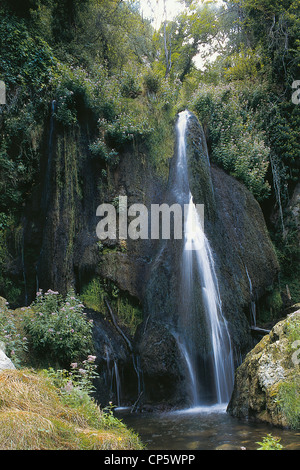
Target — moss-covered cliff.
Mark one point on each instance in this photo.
(267, 383)
(237, 232)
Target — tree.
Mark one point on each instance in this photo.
(274, 25)
(181, 38)
(20, 7)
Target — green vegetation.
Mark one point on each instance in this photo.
(270, 443)
(46, 416)
(289, 402)
(244, 100)
(52, 331)
(126, 309)
(57, 328)
(117, 84)
(12, 334)
(236, 143)
(288, 398)
(108, 69)
(53, 408)
(93, 295)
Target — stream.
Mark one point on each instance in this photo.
(202, 428)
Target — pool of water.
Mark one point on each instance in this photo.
(202, 428)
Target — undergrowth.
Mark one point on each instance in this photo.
(34, 415)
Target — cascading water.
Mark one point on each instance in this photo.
(198, 272)
(116, 376)
(252, 300)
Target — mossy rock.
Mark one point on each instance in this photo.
(267, 371)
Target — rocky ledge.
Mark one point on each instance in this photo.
(269, 369)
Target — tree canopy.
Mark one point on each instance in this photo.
(102, 60)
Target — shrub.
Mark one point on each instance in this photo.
(77, 90)
(245, 63)
(26, 60)
(152, 82)
(76, 386)
(129, 85)
(100, 150)
(270, 443)
(58, 329)
(127, 127)
(11, 335)
(235, 140)
(75, 389)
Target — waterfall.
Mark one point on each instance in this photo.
(117, 383)
(46, 189)
(252, 301)
(198, 273)
(190, 370)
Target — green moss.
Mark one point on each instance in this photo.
(274, 302)
(93, 295)
(289, 401)
(129, 312)
(161, 142)
(288, 397)
(293, 330)
(271, 306)
(126, 308)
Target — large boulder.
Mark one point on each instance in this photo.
(5, 362)
(273, 363)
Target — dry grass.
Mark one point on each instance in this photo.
(32, 417)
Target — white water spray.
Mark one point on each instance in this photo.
(198, 258)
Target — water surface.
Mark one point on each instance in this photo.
(202, 428)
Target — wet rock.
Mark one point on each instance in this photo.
(67, 254)
(238, 236)
(258, 379)
(160, 363)
(228, 447)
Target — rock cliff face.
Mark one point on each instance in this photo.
(272, 363)
(236, 229)
(62, 250)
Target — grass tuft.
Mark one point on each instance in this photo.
(33, 417)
